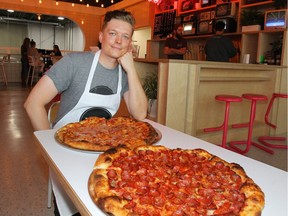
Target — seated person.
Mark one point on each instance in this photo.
(33, 52)
(56, 54)
(90, 82)
(218, 47)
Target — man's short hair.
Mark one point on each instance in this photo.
(119, 15)
(219, 26)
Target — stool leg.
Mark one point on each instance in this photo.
(225, 124)
(249, 138)
(264, 138)
(268, 112)
(28, 75)
(32, 78)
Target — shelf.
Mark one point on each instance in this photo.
(165, 11)
(196, 10)
(201, 9)
(258, 4)
(255, 43)
(236, 34)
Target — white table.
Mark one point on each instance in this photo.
(74, 167)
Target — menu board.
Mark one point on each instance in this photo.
(164, 24)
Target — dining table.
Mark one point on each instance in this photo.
(73, 168)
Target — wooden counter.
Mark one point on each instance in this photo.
(186, 91)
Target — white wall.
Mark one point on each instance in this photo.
(140, 37)
(69, 37)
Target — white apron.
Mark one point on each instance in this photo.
(87, 100)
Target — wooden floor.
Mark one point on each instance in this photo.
(24, 173)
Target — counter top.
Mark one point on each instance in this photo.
(208, 63)
(73, 169)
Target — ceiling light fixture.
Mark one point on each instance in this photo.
(87, 5)
(10, 11)
(39, 16)
(57, 3)
(155, 1)
(72, 4)
(60, 18)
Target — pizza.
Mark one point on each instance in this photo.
(155, 180)
(100, 134)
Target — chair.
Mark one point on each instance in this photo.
(264, 139)
(33, 67)
(4, 58)
(254, 98)
(52, 113)
(228, 99)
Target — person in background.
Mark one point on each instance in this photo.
(56, 55)
(32, 51)
(24, 60)
(90, 83)
(176, 46)
(218, 47)
(56, 51)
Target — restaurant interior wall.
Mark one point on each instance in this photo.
(45, 36)
(89, 16)
(140, 37)
(12, 34)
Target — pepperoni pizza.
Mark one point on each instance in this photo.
(155, 180)
(100, 134)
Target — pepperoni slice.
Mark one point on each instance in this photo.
(127, 196)
(130, 205)
(159, 201)
(145, 200)
(112, 174)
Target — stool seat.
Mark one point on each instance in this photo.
(224, 126)
(254, 98)
(230, 98)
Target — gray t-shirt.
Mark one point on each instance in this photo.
(70, 75)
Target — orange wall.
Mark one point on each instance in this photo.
(141, 9)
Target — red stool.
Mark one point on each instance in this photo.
(263, 139)
(254, 98)
(228, 99)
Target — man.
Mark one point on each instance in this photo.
(70, 78)
(218, 47)
(91, 84)
(176, 46)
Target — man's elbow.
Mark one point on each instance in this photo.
(28, 107)
(141, 116)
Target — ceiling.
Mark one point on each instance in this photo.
(94, 3)
(24, 17)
